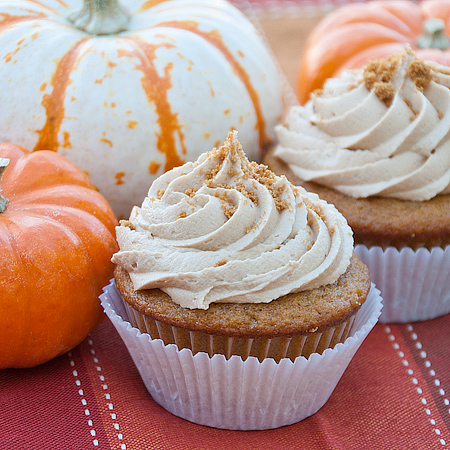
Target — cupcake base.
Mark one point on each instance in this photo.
(232, 393)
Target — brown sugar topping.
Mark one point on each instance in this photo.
(420, 73)
(251, 170)
(190, 192)
(379, 75)
(221, 263)
(126, 223)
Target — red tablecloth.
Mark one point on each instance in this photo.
(395, 394)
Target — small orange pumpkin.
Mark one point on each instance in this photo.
(356, 33)
(57, 235)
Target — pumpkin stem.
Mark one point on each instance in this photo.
(3, 201)
(434, 35)
(100, 17)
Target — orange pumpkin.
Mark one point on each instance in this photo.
(57, 235)
(356, 33)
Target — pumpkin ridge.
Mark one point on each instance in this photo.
(68, 231)
(215, 39)
(53, 103)
(43, 211)
(17, 176)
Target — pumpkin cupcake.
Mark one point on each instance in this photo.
(228, 269)
(376, 144)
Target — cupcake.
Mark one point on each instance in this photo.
(228, 266)
(376, 144)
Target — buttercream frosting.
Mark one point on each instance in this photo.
(223, 229)
(379, 131)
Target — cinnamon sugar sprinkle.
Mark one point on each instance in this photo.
(232, 149)
(126, 223)
(220, 263)
(379, 75)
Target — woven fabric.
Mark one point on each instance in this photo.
(394, 395)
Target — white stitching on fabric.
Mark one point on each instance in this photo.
(414, 380)
(432, 373)
(107, 394)
(83, 400)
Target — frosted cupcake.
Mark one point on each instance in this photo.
(228, 264)
(375, 143)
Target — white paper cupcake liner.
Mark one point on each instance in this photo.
(415, 284)
(276, 348)
(235, 394)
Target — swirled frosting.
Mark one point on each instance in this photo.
(223, 229)
(382, 130)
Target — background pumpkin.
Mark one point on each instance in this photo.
(356, 33)
(128, 106)
(57, 235)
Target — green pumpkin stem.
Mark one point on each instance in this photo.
(3, 201)
(100, 17)
(434, 35)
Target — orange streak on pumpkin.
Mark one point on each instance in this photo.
(53, 103)
(156, 88)
(7, 20)
(119, 178)
(8, 56)
(150, 4)
(153, 167)
(106, 141)
(47, 6)
(67, 143)
(215, 39)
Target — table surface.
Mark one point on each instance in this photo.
(395, 393)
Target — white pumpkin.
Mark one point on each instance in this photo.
(125, 106)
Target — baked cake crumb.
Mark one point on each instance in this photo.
(379, 75)
(126, 223)
(251, 170)
(420, 73)
(221, 263)
(190, 192)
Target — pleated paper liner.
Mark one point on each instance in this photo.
(234, 393)
(261, 348)
(415, 284)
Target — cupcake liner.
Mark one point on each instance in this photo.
(232, 393)
(277, 348)
(415, 284)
